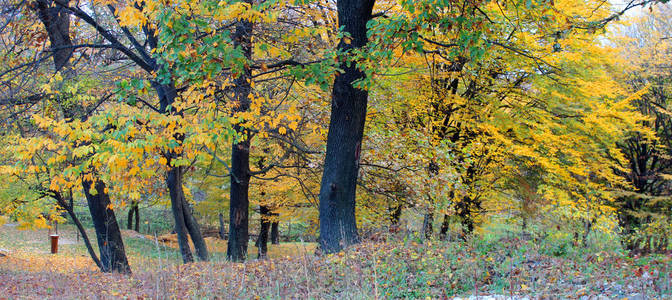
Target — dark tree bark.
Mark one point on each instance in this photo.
(137, 218)
(240, 153)
(466, 209)
(194, 230)
(646, 162)
(185, 223)
(445, 225)
(262, 239)
(110, 245)
(167, 93)
(239, 206)
(338, 226)
(395, 216)
(133, 214)
(129, 219)
(275, 232)
(174, 183)
(428, 225)
(56, 20)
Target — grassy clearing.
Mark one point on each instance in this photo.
(145, 252)
(400, 266)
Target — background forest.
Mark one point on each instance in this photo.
(384, 149)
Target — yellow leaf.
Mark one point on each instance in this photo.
(3, 220)
(130, 16)
(133, 171)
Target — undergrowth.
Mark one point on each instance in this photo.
(391, 266)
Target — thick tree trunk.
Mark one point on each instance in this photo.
(240, 153)
(110, 244)
(275, 233)
(56, 21)
(262, 239)
(238, 208)
(338, 226)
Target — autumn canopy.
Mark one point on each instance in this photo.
(344, 120)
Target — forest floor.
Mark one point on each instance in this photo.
(389, 267)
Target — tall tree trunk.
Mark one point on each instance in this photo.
(240, 152)
(133, 214)
(445, 226)
(185, 223)
(110, 244)
(465, 210)
(275, 232)
(428, 225)
(262, 239)
(137, 218)
(587, 226)
(129, 219)
(239, 206)
(194, 231)
(395, 216)
(338, 226)
(174, 183)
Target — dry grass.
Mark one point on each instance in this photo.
(217, 245)
(400, 267)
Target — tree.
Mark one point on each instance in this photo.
(133, 215)
(528, 71)
(644, 210)
(132, 16)
(56, 22)
(240, 151)
(338, 226)
(254, 86)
